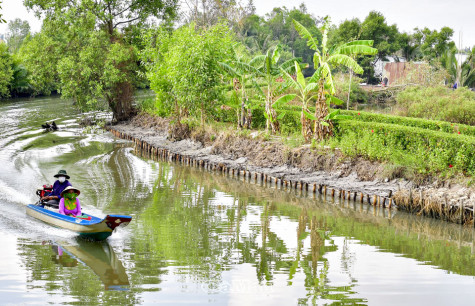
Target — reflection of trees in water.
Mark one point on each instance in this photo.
(184, 227)
(448, 246)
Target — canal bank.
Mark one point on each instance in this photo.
(251, 157)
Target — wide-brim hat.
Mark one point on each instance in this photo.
(62, 173)
(70, 188)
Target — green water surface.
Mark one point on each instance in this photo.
(204, 238)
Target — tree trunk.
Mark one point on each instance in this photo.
(248, 119)
(121, 101)
(306, 124)
(321, 131)
(349, 92)
(271, 114)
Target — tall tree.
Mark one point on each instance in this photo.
(81, 68)
(184, 68)
(325, 58)
(18, 30)
(206, 13)
(6, 72)
(385, 38)
(433, 44)
(40, 54)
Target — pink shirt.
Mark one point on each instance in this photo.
(63, 210)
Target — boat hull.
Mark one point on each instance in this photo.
(94, 229)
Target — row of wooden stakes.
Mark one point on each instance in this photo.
(145, 147)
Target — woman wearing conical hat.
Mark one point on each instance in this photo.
(69, 203)
(59, 185)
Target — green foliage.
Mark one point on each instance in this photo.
(19, 84)
(6, 72)
(468, 70)
(92, 72)
(433, 125)
(18, 30)
(92, 60)
(438, 103)
(40, 55)
(428, 151)
(434, 43)
(260, 34)
(326, 58)
(342, 84)
(185, 72)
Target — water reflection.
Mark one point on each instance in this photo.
(99, 256)
(201, 237)
(84, 270)
(205, 224)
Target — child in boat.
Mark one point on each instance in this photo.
(69, 203)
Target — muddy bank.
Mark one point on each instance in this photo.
(251, 154)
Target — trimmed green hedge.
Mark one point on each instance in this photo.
(426, 149)
(434, 125)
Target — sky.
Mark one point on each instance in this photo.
(406, 14)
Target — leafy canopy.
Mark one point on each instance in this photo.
(185, 67)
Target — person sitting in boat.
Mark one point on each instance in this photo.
(59, 185)
(69, 203)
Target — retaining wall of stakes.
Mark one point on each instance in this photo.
(465, 214)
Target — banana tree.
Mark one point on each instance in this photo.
(305, 94)
(241, 72)
(271, 71)
(468, 70)
(325, 59)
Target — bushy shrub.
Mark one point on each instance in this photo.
(434, 125)
(438, 103)
(342, 82)
(427, 150)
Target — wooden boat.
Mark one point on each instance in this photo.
(91, 227)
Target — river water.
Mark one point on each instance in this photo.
(204, 238)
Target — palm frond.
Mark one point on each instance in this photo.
(276, 55)
(283, 100)
(258, 61)
(345, 60)
(289, 64)
(327, 75)
(368, 43)
(289, 78)
(310, 87)
(356, 50)
(229, 70)
(304, 33)
(300, 77)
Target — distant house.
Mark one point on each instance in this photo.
(380, 64)
(395, 71)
